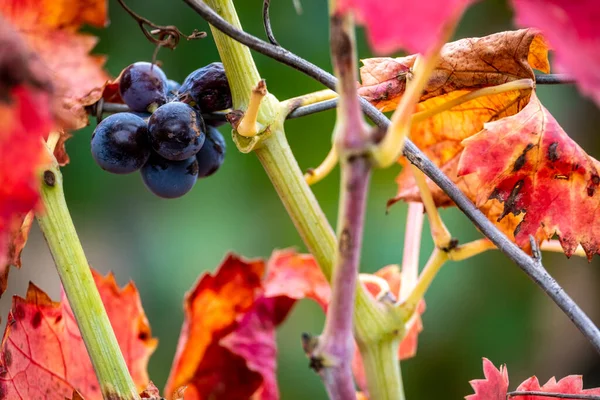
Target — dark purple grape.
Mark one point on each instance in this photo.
(169, 179)
(143, 86)
(120, 143)
(208, 87)
(211, 155)
(176, 131)
(143, 115)
(172, 89)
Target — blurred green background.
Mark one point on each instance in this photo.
(484, 307)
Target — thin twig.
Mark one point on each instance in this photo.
(554, 79)
(267, 23)
(534, 270)
(510, 395)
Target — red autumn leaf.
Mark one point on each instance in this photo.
(495, 385)
(24, 121)
(542, 176)
(408, 346)
(568, 25)
(43, 354)
(46, 76)
(212, 310)
(415, 26)
(227, 346)
(50, 30)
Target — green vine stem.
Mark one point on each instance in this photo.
(376, 326)
(78, 283)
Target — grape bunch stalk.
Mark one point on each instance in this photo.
(164, 136)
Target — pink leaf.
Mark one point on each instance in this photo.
(494, 386)
(414, 26)
(572, 29)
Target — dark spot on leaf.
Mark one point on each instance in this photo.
(575, 167)
(19, 313)
(590, 191)
(58, 319)
(7, 356)
(143, 336)
(517, 229)
(495, 195)
(93, 388)
(522, 158)
(510, 205)
(552, 153)
(595, 179)
(36, 321)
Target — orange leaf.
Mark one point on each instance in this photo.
(441, 136)
(17, 238)
(43, 354)
(49, 28)
(296, 276)
(542, 176)
(212, 311)
(227, 347)
(465, 64)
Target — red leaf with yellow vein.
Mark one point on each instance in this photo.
(403, 24)
(467, 65)
(568, 25)
(49, 28)
(530, 164)
(495, 385)
(408, 346)
(43, 354)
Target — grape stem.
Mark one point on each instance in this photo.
(533, 268)
(78, 283)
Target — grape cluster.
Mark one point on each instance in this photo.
(164, 136)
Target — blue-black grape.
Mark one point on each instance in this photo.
(169, 179)
(208, 87)
(176, 131)
(172, 89)
(143, 86)
(120, 143)
(211, 155)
